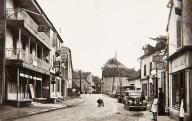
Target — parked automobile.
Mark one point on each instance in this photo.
(121, 93)
(136, 100)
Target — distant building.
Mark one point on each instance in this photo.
(84, 81)
(115, 75)
(135, 80)
(67, 72)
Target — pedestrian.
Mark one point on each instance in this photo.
(126, 101)
(160, 102)
(181, 110)
(154, 108)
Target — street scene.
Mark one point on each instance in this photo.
(92, 60)
(89, 111)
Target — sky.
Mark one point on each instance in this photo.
(97, 30)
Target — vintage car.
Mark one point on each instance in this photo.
(121, 93)
(136, 101)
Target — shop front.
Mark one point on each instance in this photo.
(180, 77)
(23, 85)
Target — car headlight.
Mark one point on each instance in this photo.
(144, 101)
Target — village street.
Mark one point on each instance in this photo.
(88, 111)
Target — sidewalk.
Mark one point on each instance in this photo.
(8, 112)
(148, 116)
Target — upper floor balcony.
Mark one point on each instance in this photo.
(29, 24)
(27, 59)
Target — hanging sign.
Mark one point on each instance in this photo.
(56, 64)
(43, 28)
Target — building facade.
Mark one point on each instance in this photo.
(28, 53)
(114, 76)
(180, 58)
(84, 81)
(153, 69)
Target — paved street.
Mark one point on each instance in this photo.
(88, 111)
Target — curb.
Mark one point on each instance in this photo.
(45, 111)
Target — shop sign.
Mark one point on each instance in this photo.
(56, 64)
(43, 28)
(179, 63)
(157, 58)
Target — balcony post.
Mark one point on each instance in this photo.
(35, 83)
(18, 44)
(17, 87)
(41, 86)
(27, 84)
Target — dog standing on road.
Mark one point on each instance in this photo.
(100, 102)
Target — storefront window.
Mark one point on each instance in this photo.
(178, 83)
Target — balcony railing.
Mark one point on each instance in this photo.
(20, 54)
(19, 14)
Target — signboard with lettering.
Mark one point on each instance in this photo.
(56, 64)
(43, 28)
(179, 63)
(157, 58)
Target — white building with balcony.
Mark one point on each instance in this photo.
(28, 53)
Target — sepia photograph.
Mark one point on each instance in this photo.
(95, 60)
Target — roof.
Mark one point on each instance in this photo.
(113, 63)
(114, 68)
(118, 72)
(76, 75)
(160, 45)
(136, 75)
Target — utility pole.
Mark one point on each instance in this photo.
(80, 81)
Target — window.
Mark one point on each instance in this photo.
(178, 29)
(178, 83)
(58, 85)
(144, 70)
(150, 68)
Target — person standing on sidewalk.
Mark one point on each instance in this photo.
(181, 110)
(154, 108)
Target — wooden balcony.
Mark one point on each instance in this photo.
(27, 60)
(29, 24)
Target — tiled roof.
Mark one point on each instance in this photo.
(136, 75)
(115, 68)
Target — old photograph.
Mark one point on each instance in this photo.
(95, 60)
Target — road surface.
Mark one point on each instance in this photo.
(88, 111)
